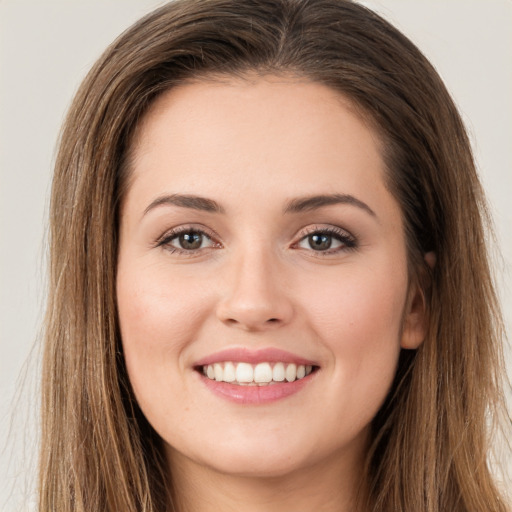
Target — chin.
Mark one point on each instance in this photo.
(263, 455)
(262, 464)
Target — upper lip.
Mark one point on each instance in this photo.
(245, 355)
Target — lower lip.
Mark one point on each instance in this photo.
(256, 394)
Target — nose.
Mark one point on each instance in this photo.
(255, 296)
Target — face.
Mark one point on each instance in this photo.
(262, 284)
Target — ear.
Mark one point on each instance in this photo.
(414, 324)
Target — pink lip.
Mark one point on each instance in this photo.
(256, 394)
(266, 355)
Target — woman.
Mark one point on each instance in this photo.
(269, 284)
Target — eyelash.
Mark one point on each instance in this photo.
(348, 242)
(169, 236)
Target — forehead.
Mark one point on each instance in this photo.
(250, 87)
(268, 98)
(253, 125)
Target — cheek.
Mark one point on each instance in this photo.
(159, 318)
(155, 307)
(358, 318)
(359, 307)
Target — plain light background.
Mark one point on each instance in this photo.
(45, 50)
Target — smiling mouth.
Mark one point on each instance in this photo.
(261, 374)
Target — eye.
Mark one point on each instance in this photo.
(329, 240)
(190, 241)
(186, 240)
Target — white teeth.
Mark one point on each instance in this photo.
(291, 372)
(262, 374)
(244, 372)
(218, 372)
(278, 372)
(229, 372)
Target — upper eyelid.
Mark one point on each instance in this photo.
(331, 229)
(347, 239)
(172, 233)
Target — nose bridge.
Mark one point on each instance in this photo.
(255, 297)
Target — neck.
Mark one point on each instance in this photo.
(330, 486)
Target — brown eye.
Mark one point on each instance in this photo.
(190, 241)
(320, 241)
(329, 241)
(186, 241)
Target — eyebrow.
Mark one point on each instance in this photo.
(186, 201)
(302, 204)
(297, 205)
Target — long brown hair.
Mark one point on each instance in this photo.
(431, 437)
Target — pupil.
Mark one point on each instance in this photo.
(191, 240)
(320, 242)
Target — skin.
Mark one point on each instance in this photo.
(252, 146)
